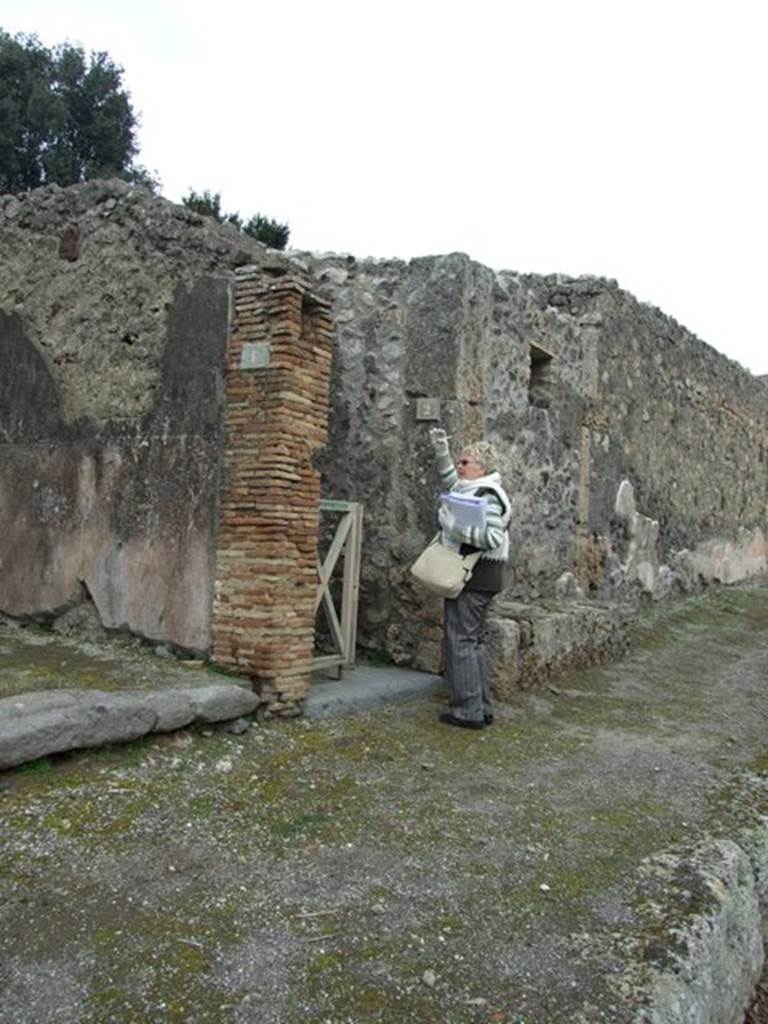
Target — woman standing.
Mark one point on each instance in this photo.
(475, 474)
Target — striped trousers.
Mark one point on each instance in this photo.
(464, 654)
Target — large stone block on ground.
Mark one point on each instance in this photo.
(218, 703)
(37, 724)
(503, 656)
(707, 966)
(529, 644)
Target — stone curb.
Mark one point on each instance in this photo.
(34, 725)
(37, 724)
(704, 919)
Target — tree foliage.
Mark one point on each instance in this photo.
(64, 117)
(262, 228)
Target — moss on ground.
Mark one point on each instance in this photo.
(160, 964)
(745, 607)
(34, 659)
(456, 832)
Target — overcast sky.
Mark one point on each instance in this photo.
(611, 137)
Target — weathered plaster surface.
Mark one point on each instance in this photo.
(124, 509)
(114, 319)
(713, 561)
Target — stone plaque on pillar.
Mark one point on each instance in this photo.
(427, 408)
(255, 355)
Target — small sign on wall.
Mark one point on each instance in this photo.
(255, 355)
(427, 408)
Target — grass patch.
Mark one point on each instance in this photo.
(302, 824)
(42, 766)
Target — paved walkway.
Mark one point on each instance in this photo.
(598, 855)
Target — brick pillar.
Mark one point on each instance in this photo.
(269, 513)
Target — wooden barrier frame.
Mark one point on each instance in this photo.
(348, 538)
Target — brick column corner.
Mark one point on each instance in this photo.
(278, 370)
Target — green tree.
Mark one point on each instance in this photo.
(265, 230)
(268, 231)
(207, 204)
(64, 117)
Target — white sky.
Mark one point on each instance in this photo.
(624, 138)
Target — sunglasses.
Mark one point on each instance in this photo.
(467, 462)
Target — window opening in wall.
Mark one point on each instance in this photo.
(541, 379)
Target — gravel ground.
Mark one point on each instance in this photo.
(380, 866)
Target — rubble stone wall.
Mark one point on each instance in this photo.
(636, 457)
(689, 429)
(581, 386)
(684, 428)
(449, 329)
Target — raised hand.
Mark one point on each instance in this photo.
(446, 518)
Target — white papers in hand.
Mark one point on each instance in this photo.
(467, 510)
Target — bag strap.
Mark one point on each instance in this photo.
(469, 563)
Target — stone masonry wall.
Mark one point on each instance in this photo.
(450, 329)
(689, 429)
(635, 456)
(685, 427)
(114, 319)
(581, 387)
(266, 570)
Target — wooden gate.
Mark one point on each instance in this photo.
(343, 627)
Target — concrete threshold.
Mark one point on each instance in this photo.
(368, 686)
